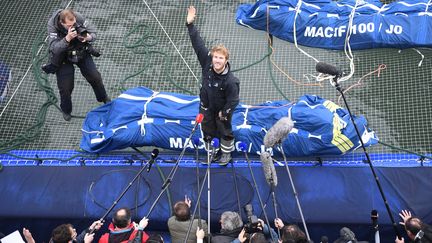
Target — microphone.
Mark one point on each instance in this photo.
(324, 239)
(326, 68)
(199, 118)
(278, 132)
(215, 144)
(196, 142)
(269, 169)
(154, 154)
(243, 146)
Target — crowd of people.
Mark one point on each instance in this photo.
(232, 230)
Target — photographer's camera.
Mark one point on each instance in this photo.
(80, 29)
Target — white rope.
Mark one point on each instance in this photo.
(422, 56)
(25, 74)
(144, 117)
(297, 10)
(169, 38)
(347, 46)
(245, 117)
(319, 78)
(427, 5)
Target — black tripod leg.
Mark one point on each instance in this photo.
(259, 196)
(123, 193)
(173, 171)
(236, 188)
(295, 192)
(198, 186)
(275, 207)
(338, 88)
(197, 207)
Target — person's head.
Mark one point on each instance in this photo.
(412, 226)
(182, 211)
(64, 233)
(67, 18)
(346, 235)
(155, 238)
(292, 233)
(258, 237)
(230, 221)
(122, 218)
(220, 56)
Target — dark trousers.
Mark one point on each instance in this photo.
(65, 81)
(213, 127)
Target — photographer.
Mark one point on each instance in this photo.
(69, 43)
(254, 231)
(231, 227)
(257, 232)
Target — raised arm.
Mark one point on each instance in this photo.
(197, 42)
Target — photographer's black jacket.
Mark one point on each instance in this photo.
(56, 40)
(219, 92)
(226, 236)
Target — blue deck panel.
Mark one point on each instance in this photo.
(341, 191)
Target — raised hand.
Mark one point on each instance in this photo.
(143, 223)
(188, 201)
(88, 238)
(405, 215)
(96, 225)
(28, 236)
(200, 233)
(191, 15)
(278, 223)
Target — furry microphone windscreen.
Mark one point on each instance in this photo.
(269, 169)
(278, 132)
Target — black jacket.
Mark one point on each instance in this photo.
(226, 236)
(219, 92)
